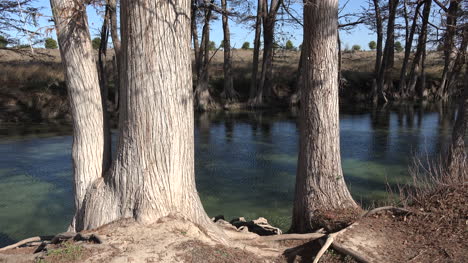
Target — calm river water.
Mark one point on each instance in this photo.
(245, 163)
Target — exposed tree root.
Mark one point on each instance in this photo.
(55, 240)
(385, 208)
(26, 241)
(308, 236)
(358, 257)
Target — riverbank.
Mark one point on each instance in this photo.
(32, 87)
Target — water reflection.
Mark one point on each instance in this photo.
(245, 163)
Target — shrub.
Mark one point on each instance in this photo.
(96, 42)
(211, 45)
(50, 43)
(356, 48)
(398, 46)
(3, 42)
(289, 45)
(246, 45)
(372, 45)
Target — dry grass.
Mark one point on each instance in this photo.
(20, 68)
(431, 178)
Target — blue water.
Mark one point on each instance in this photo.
(245, 163)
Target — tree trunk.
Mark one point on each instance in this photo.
(460, 61)
(103, 85)
(320, 185)
(416, 75)
(112, 4)
(194, 34)
(82, 79)
(384, 79)
(450, 50)
(379, 25)
(295, 98)
(153, 174)
(203, 99)
(457, 163)
(229, 93)
(408, 46)
(256, 51)
(269, 21)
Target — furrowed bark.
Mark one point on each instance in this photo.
(82, 80)
(153, 173)
(319, 182)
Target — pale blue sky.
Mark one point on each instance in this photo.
(240, 33)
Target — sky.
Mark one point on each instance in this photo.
(240, 33)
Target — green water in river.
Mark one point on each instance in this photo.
(245, 163)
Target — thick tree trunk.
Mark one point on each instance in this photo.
(450, 50)
(416, 75)
(408, 46)
(82, 79)
(320, 185)
(256, 51)
(229, 93)
(153, 174)
(269, 21)
(379, 27)
(384, 79)
(203, 99)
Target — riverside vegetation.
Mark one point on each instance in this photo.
(33, 85)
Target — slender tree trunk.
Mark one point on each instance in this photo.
(295, 98)
(203, 99)
(379, 26)
(194, 33)
(103, 85)
(406, 18)
(450, 50)
(256, 51)
(153, 173)
(408, 46)
(229, 93)
(460, 61)
(416, 73)
(320, 185)
(269, 21)
(82, 79)
(384, 79)
(112, 4)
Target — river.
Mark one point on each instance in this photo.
(245, 163)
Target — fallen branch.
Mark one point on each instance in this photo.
(25, 241)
